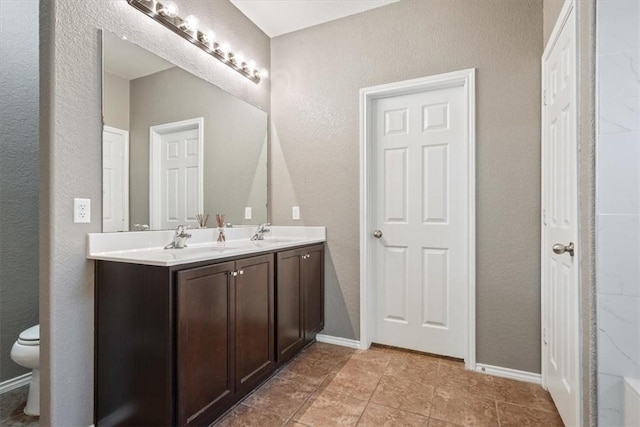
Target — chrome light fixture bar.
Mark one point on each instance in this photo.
(187, 28)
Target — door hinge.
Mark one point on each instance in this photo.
(544, 216)
(544, 336)
(544, 97)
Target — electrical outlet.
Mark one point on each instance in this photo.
(247, 213)
(82, 211)
(295, 213)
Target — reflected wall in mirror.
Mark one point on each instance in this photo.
(175, 146)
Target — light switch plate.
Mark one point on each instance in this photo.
(81, 211)
(247, 213)
(295, 213)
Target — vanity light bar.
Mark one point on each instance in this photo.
(167, 14)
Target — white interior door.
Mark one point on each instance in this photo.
(176, 180)
(420, 205)
(115, 179)
(561, 357)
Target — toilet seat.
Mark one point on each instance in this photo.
(30, 336)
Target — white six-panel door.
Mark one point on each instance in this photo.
(176, 174)
(180, 178)
(419, 201)
(561, 358)
(115, 179)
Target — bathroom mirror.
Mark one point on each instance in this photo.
(175, 146)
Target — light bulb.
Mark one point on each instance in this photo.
(238, 59)
(207, 37)
(224, 50)
(251, 65)
(169, 9)
(190, 23)
(264, 73)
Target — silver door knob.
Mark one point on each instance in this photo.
(559, 248)
(377, 234)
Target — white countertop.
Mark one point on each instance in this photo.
(147, 247)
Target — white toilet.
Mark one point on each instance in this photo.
(26, 352)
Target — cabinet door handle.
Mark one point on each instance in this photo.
(241, 272)
(234, 273)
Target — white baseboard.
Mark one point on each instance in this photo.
(512, 374)
(14, 383)
(344, 342)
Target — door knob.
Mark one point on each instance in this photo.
(559, 248)
(377, 234)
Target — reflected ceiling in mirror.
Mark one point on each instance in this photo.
(175, 146)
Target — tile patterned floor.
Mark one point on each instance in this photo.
(328, 385)
(11, 406)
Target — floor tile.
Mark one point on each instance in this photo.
(452, 362)
(415, 368)
(370, 360)
(307, 371)
(330, 409)
(463, 409)
(354, 382)
(523, 393)
(12, 409)
(437, 423)
(382, 416)
(245, 416)
(404, 394)
(280, 397)
(329, 352)
(455, 379)
(520, 416)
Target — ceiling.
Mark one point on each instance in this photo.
(277, 17)
(129, 61)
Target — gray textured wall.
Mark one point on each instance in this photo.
(317, 73)
(71, 166)
(551, 10)
(586, 23)
(115, 101)
(235, 144)
(18, 175)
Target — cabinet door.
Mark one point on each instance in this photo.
(289, 298)
(313, 290)
(204, 343)
(254, 317)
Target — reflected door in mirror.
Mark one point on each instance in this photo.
(115, 179)
(177, 161)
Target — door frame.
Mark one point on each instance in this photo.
(568, 7)
(466, 79)
(155, 138)
(125, 172)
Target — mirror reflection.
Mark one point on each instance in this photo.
(176, 146)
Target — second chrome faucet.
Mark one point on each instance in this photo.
(262, 228)
(179, 238)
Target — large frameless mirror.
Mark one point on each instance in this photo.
(175, 146)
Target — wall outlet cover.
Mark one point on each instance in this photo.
(247, 213)
(81, 211)
(295, 213)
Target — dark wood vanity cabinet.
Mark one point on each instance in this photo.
(181, 345)
(225, 335)
(300, 298)
(205, 357)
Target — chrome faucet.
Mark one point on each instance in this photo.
(262, 228)
(179, 238)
